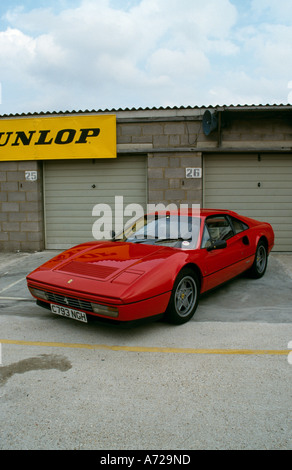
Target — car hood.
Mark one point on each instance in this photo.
(107, 260)
(112, 270)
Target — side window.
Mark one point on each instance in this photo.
(206, 240)
(216, 228)
(238, 226)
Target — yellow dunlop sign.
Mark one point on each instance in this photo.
(56, 138)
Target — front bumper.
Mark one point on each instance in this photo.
(117, 311)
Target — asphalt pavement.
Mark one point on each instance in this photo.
(221, 381)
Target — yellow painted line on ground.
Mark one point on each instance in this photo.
(267, 352)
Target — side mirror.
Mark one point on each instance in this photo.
(218, 245)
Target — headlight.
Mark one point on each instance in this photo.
(128, 277)
(104, 310)
(40, 294)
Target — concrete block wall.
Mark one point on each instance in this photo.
(21, 207)
(167, 182)
(255, 128)
(160, 134)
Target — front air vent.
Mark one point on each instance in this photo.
(69, 301)
(88, 269)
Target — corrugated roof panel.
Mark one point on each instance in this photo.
(160, 108)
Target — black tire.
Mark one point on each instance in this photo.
(260, 263)
(184, 297)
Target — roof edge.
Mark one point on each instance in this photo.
(168, 109)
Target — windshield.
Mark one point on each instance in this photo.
(168, 230)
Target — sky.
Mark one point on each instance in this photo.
(65, 55)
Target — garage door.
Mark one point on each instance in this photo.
(73, 188)
(258, 186)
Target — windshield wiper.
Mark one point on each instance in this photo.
(138, 240)
(171, 239)
(152, 240)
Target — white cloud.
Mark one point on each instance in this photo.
(272, 47)
(240, 88)
(178, 65)
(109, 53)
(14, 43)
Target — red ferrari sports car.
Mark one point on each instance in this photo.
(158, 266)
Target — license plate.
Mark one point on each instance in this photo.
(69, 312)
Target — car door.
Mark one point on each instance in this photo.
(222, 264)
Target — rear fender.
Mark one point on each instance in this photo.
(266, 238)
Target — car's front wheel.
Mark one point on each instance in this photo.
(184, 297)
(260, 263)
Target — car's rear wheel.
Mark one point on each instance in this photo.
(260, 263)
(184, 297)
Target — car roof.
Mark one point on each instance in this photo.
(196, 212)
(207, 212)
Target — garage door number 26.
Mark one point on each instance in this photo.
(193, 172)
